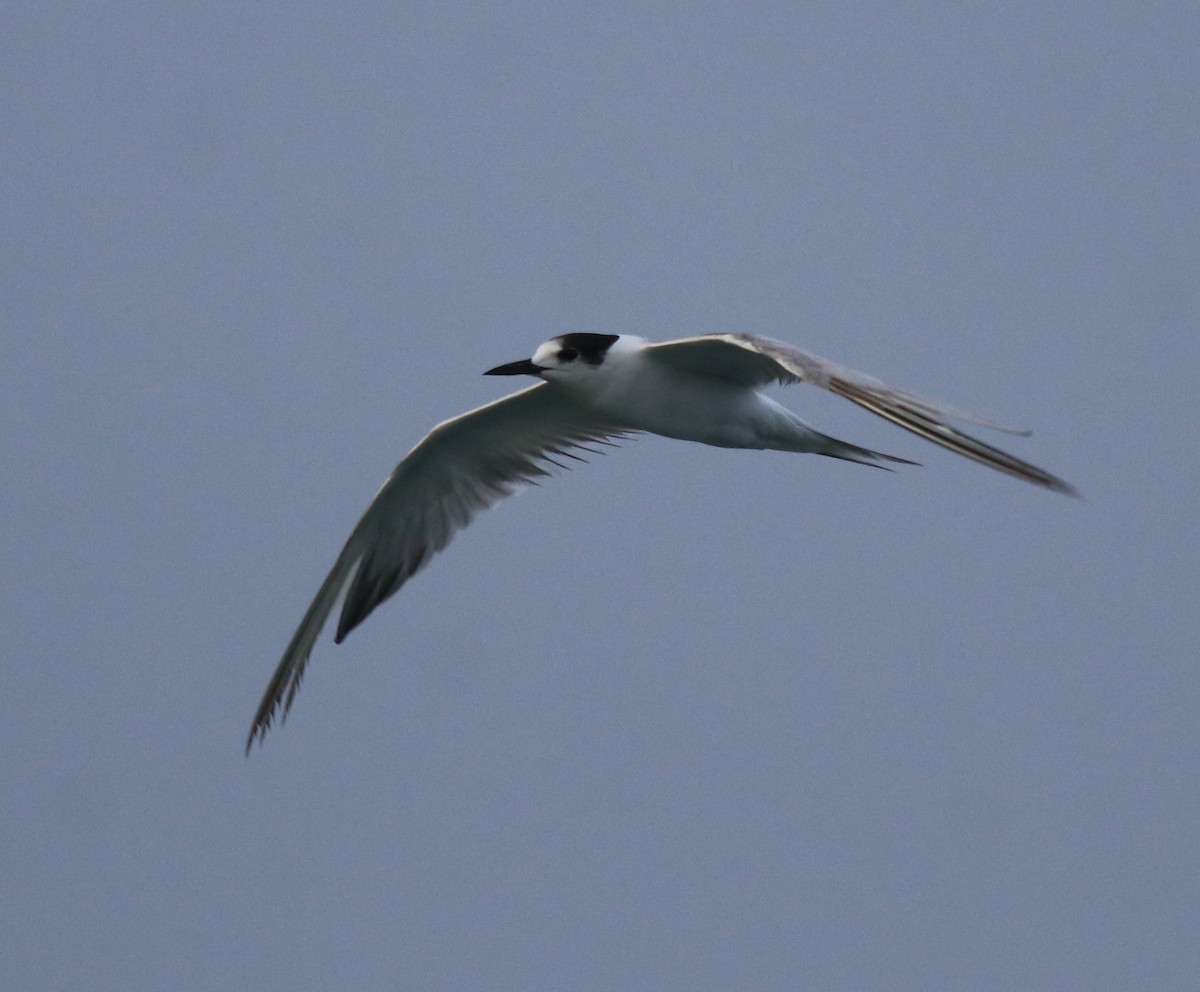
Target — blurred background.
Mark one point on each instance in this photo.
(686, 718)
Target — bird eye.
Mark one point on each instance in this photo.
(568, 355)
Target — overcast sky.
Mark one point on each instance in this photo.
(686, 718)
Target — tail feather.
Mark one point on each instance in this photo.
(833, 448)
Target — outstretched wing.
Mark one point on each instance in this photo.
(461, 467)
(755, 361)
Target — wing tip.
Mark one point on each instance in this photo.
(263, 720)
(1055, 484)
(258, 732)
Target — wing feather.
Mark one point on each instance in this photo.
(757, 361)
(461, 467)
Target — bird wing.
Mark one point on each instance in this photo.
(461, 467)
(755, 361)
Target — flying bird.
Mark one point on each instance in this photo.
(594, 390)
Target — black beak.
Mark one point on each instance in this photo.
(525, 367)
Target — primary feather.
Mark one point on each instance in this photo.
(756, 361)
(461, 467)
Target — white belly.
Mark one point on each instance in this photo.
(708, 410)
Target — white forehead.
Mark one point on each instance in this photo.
(547, 354)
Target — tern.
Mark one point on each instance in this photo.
(597, 389)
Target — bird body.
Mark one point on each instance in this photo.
(597, 388)
(656, 398)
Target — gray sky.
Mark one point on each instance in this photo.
(687, 719)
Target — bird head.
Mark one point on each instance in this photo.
(566, 357)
